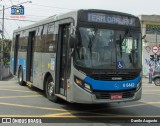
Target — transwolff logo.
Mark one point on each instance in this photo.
(116, 78)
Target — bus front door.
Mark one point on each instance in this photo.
(62, 58)
(29, 70)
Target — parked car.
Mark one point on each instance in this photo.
(156, 76)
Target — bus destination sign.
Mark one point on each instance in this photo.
(111, 19)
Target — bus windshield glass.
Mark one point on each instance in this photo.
(108, 49)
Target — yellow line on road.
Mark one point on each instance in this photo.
(36, 107)
(57, 114)
(127, 106)
(23, 116)
(26, 96)
(107, 116)
(8, 86)
(76, 112)
(151, 94)
(17, 90)
(55, 109)
(88, 111)
(91, 111)
(151, 102)
(76, 116)
(151, 90)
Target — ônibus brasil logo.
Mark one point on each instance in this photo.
(17, 10)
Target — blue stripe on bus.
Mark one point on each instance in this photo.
(112, 85)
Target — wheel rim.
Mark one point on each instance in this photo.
(157, 82)
(51, 89)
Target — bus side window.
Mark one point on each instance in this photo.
(50, 43)
(39, 45)
(13, 41)
(23, 42)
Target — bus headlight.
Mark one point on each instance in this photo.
(139, 85)
(78, 81)
(82, 84)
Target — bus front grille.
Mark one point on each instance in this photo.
(107, 95)
(111, 77)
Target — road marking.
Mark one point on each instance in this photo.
(17, 90)
(8, 86)
(76, 116)
(57, 114)
(149, 86)
(77, 112)
(152, 102)
(71, 112)
(151, 91)
(127, 106)
(87, 111)
(66, 111)
(36, 107)
(150, 94)
(27, 96)
(25, 116)
(114, 116)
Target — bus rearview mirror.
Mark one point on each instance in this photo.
(143, 36)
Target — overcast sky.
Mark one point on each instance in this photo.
(40, 9)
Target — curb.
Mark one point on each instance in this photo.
(7, 78)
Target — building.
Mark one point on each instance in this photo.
(151, 28)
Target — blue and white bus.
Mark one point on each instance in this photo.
(84, 56)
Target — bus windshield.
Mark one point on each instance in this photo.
(108, 49)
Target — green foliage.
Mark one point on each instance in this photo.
(6, 51)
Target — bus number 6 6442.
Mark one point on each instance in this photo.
(128, 85)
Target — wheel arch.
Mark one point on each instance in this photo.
(45, 79)
(156, 77)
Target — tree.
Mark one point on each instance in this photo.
(6, 51)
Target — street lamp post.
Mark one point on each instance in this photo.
(2, 45)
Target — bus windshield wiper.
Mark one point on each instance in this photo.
(91, 42)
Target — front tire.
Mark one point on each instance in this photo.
(20, 77)
(157, 81)
(50, 90)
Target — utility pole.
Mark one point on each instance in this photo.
(156, 38)
(2, 42)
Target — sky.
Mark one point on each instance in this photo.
(40, 9)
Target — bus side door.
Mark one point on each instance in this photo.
(62, 58)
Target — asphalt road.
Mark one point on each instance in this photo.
(21, 102)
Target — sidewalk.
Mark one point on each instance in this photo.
(145, 80)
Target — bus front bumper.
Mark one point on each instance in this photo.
(82, 96)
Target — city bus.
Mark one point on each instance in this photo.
(84, 56)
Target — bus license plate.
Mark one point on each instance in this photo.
(116, 96)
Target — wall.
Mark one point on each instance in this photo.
(147, 51)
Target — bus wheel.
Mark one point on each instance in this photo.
(20, 77)
(49, 90)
